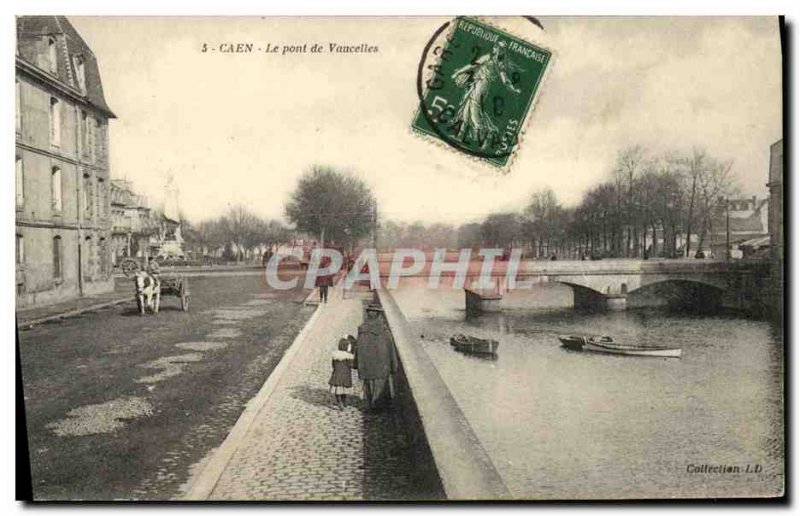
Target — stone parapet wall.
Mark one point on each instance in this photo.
(436, 423)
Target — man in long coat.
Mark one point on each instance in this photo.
(375, 358)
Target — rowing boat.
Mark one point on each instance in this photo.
(474, 345)
(606, 344)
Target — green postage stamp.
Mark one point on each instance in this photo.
(476, 86)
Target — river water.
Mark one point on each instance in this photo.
(569, 425)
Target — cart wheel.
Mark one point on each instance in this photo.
(184, 292)
(129, 267)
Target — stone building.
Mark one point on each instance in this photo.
(132, 222)
(63, 211)
(745, 220)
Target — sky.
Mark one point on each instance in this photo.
(242, 128)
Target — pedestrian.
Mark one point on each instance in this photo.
(324, 281)
(353, 344)
(341, 381)
(153, 268)
(376, 361)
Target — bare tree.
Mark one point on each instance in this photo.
(539, 217)
(715, 185)
(629, 165)
(694, 168)
(500, 229)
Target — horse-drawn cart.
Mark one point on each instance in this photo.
(177, 286)
(172, 284)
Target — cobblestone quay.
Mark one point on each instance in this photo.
(301, 447)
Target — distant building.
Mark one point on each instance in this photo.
(745, 221)
(139, 231)
(132, 224)
(63, 210)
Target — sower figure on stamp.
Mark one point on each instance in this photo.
(471, 119)
(341, 380)
(376, 360)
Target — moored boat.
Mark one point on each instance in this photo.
(470, 344)
(604, 344)
(573, 342)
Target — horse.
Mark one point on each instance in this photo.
(148, 291)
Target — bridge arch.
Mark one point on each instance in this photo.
(601, 285)
(683, 293)
(586, 298)
(664, 280)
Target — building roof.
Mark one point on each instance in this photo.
(30, 33)
(744, 225)
(123, 194)
(752, 220)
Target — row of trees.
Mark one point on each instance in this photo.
(236, 235)
(648, 206)
(669, 198)
(327, 206)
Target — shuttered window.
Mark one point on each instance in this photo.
(52, 55)
(57, 257)
(55, 177)
(55, 121)
(19, 183)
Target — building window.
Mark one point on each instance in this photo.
(19, 183)
(88, 195)
(55, 182)
(57, 257)
(100, 198)
(103, 256)
(89, 128)
(52, 55)
(20, 249)
(84, 133)
(80, 72)
(18, 106)
(55, 121)
(90, 259)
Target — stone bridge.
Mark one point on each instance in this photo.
(609, 282)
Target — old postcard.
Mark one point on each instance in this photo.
(399, 258)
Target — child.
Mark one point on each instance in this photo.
(341, 378)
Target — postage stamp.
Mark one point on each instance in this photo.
(476, 89)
